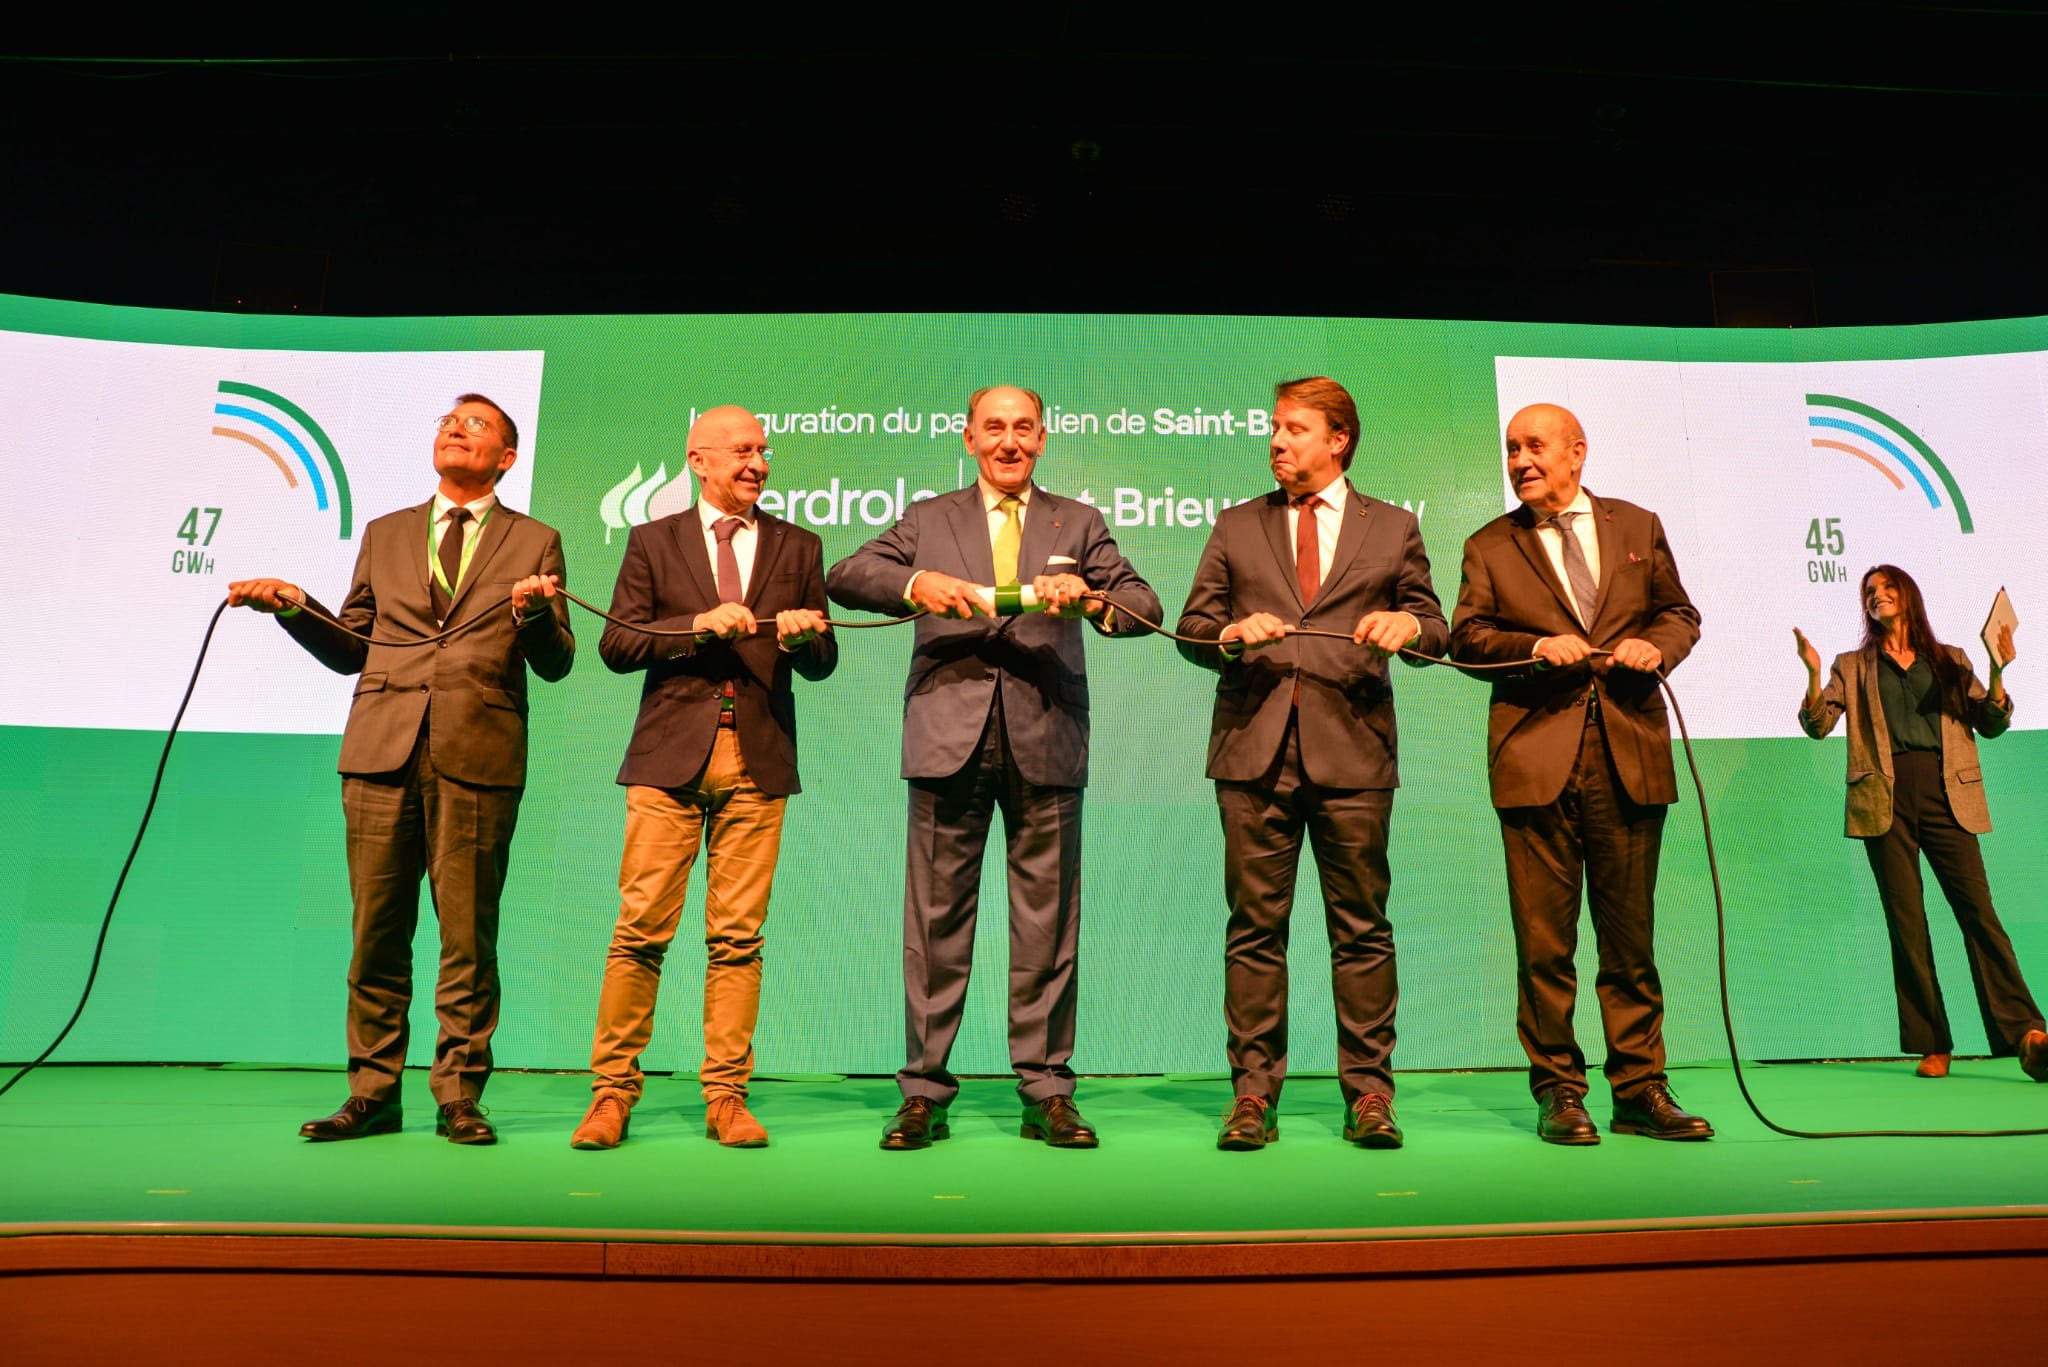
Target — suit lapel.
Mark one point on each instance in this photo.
(1610, 552)
(1350, 537)
(488, 540)
(1274, 519)
(1873, 707)
(689, 533)
(1531, 546)
(419, 537)
(1041, 529)
(969, 521)
(767, 545)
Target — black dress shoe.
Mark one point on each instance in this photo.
(1251, 1124)
(1563, 1118)
(1655, 1114)
(1058, 1122)
(1370, 1122)
(917, 1122)
(358, 1118)
(462, 1122)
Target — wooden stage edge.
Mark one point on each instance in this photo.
(1999, 1232)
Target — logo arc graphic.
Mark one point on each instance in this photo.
(1889, 441)
(343, 502)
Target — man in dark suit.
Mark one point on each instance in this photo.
(1582, 593)
(995, 715)
(1302, 739)
(433, 759)
(711, 763)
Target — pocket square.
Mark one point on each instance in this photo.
(1061, 560)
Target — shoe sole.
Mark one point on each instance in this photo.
(441, 1131)
(1034, 1132)
(1374, 1141)
(897, 1144)
(711, 1132)
(392, 1127)
(1645, 1132)
(1573, 1141)
(1248, 1145)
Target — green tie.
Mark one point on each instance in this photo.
(1009, 540)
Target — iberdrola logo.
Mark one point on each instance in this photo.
(266, 420)
(639, 498)
(1887, 445)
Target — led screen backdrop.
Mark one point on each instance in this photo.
(146, 458)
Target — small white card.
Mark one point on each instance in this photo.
(2002, 618)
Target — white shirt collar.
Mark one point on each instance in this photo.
(477, 507)
(704, 501)
(991, 496)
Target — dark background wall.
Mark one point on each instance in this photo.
(1771, 164)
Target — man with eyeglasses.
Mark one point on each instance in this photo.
(433, 757)
(711, 764)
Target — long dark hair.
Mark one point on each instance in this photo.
(1919, 634)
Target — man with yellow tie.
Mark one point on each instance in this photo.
(995, 716)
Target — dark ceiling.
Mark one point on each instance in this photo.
(1757, 163)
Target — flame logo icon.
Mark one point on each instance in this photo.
(640, 498)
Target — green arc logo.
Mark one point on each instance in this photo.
(279, 420)
(1876, 428)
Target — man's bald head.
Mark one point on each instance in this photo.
(1546, 449)
(729, 453)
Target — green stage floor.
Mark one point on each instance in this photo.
(215, 1150)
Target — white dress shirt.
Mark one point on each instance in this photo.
(1589, 542)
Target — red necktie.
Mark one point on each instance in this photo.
(728, 563)
(1308, 553)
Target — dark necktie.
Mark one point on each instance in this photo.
(728, 561)
(451, 563)
(1576, 569)
(1308, 553)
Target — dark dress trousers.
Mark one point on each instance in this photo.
(1302, 739)
(433, 762)
(995, 716)
(1905, 804)
(1579, 762)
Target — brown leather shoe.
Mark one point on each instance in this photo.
(917, 1122)
(1251, 1124)
(462, 1122)
(604, 1124)
(1370, 1122)
(1932, 1065)
(359, 1118)
(1562, 1118)
(1058, 1122)
(2034, 1055)
(1655, 1114)
(727, 1119)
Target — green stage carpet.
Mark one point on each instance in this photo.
(183, 1147)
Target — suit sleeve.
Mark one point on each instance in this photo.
(1480, 634)
(1415, 594)
(1105, 569)
(1987, 718)
(1208, 609)
(1834, 701)
(818, 657)
(623, 649)
(545, 638)
(873, 578)
(336, 649)
(1673, 625)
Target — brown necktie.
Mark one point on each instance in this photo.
(451, 563)
(1308, 553)
(728, 562)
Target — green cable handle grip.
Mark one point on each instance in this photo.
(1007, 600)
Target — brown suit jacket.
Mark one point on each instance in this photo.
(1345, 698)
(470, 690)
(1509, 598)
(1852, 688)
(665, 580)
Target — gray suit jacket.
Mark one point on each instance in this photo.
(470, 690)
(1346, 699)
(1852, 688)
(957, 666)
(1509, 597)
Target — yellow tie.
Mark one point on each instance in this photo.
(1009, 540)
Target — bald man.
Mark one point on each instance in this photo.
(1582, 594)
(711, 763)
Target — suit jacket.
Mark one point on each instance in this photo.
(1345, 699)
(1852, 688)
(665, 580)
(1509, 598)
(957, 666)
(471, 690)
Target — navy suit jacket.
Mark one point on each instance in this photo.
(1340, 692)
(1036, 660)
(665, 580)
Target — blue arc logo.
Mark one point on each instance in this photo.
(265, 420)
(1875, 431)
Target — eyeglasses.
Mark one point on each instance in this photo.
(469, 423)
(766, 453)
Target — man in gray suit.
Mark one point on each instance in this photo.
(1302, 739)
(995, 716)
(433, 759)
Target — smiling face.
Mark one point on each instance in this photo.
(1546, 448)
(1883, 603)
(729, 453)
(1006, 434)
(1304, 453)
(469, 460)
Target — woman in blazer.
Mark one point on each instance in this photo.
(1915, 788)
